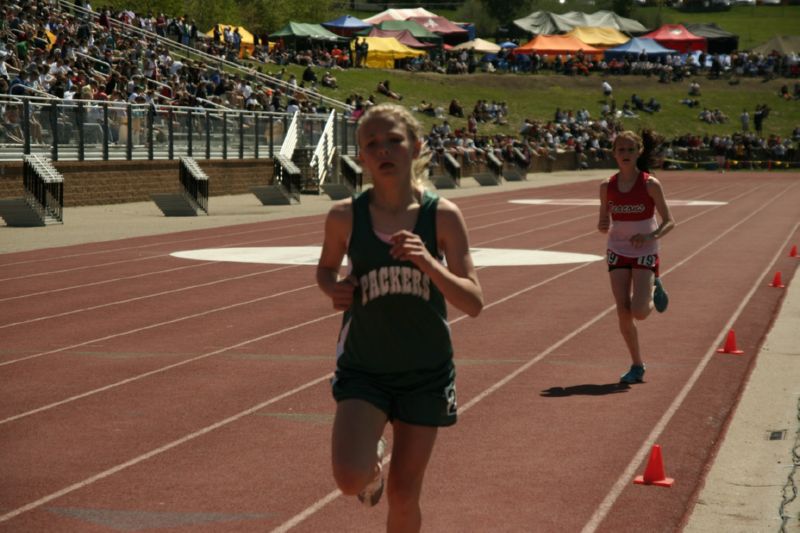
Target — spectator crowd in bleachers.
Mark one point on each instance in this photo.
(72, 55)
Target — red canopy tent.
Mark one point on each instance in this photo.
(451, 33)
(677, 37)
(404, 36)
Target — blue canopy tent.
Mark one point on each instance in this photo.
(636, 46)
(346, 25)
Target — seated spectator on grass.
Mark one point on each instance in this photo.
(456, 109)
(712, 117)
(309, 75)
(627, 110)
(384, 89)
(329, 80)
(694, 89)
(426, 108)
(652, 106)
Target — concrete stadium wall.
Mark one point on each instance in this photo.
(116, 182)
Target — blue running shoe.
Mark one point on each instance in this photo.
(634, 375)
(660, 297)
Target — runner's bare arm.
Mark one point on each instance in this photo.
(603, 222)
(338, 225)
(656, 192)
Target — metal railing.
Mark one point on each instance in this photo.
(117, 130)
(494, 165)
(194, 183)
(44, 187)
(322, 160)
(352, 173)
(452, 167)
(288, 176)
(291, 138)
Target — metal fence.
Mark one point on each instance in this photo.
(117, 130)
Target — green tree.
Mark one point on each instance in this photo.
(473, 11)
(505, 11)
(271, 15)
(623, 8)
(206, 13)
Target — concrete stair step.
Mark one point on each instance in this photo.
(17, 212)
(272, 195)
(175, 205)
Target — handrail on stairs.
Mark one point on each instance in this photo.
(290, 139)
(322, 160)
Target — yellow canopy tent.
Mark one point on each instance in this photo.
(479, 45)
(600, 36)
(383, 51)
(248, 41)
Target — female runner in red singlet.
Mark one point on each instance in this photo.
(629, 201)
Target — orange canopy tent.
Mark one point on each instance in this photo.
(553, 45)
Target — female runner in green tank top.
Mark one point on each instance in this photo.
(394, 354)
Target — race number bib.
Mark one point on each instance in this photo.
(646, 260)
(450, 394)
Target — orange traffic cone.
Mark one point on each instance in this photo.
(793, 253)
(654, 473)
(776, 281)
(730, 345)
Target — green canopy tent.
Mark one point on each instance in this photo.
(294, 31)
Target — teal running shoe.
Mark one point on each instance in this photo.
(634, 375)
(660, 297)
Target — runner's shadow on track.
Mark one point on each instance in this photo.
(585, 390)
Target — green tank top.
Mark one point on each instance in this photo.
(398, 320)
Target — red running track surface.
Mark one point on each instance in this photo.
(143, 391)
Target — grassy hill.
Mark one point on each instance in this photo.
(537, 96)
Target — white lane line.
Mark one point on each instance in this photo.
(333, 495)
(126, 261)
(624, 479)
(103, 282)
(556, 224)
(181, 241)
(152, 453)
(596, 202)
(319, 504)
(163, 369)
(151, 326)
(156, 325)
(143, 297)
